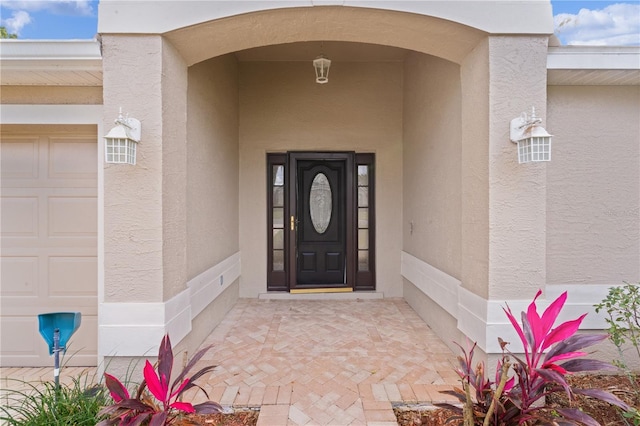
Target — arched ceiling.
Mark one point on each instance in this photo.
(434, 36)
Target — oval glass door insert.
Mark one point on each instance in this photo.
(320, 204)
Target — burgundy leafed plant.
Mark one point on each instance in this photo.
(520, 400)
(157, 401)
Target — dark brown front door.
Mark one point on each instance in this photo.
(321, 209)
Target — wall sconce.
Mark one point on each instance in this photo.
(322, 64)
(121, 141)
(534, 143)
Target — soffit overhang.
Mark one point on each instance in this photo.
(50, 63)
(591, 65)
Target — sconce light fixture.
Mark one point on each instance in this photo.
(121, 141)
(534, 143)
(322, 64)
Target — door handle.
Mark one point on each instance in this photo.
(293, 223)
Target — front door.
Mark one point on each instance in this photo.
(320, 221)
(321, 211)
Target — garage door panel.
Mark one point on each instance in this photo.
(19, 158)
(20, 336)
(75, 159)
(19, 216)
(51, 186)
(22, 345)
(54, 246)
(73, 216)
(32, 307)
(49, 241)
(72, 276)
(19, 276)
(85, 340)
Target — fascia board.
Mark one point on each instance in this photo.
(48, 55)
(593, 58)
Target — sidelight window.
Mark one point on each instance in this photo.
(365, 241)
(277, 212)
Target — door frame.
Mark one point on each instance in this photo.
(281, 261)
(293, 220)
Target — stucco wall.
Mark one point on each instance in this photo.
(431, 162)
(212, 163)
(474, 78)
(174, 170)
(518, 81)
(593, 185)
(282, 108)
(133, 214)
(44, 95)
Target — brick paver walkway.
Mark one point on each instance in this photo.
(316, 362)
(326, 362)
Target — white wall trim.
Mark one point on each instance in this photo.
(483, 320)
(438, 285)
(207, 286)
(135, 329)
(51, 114)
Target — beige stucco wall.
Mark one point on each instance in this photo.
(145, 205)
(53, 95)
(593, 185)
(431, 161)
(132, 218)
(502, 201)
(174, 170)
(212, 184)
(282, 108)
(518, 80)
(474, 79)
(212, 163)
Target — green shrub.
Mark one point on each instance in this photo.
(622, 306)
(41, 404)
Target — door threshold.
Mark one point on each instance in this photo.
(321, 290)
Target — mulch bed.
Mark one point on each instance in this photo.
(238, 418)
(602, 412)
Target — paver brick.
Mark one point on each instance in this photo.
(340, 361)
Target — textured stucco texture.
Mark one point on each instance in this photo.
(593, 180)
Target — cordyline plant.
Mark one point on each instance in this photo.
(520, 399)
(156, 403)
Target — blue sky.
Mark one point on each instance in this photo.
(583, 22)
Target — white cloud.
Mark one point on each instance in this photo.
(58, 7)
(18, 20)
(615, 25)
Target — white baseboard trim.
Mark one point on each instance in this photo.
(136, 329)
(438, 285)
(483, 320)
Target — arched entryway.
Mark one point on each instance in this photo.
(425, 94)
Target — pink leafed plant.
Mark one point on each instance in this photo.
(520, 399)
(157, 401)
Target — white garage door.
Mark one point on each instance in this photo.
(48, 231)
